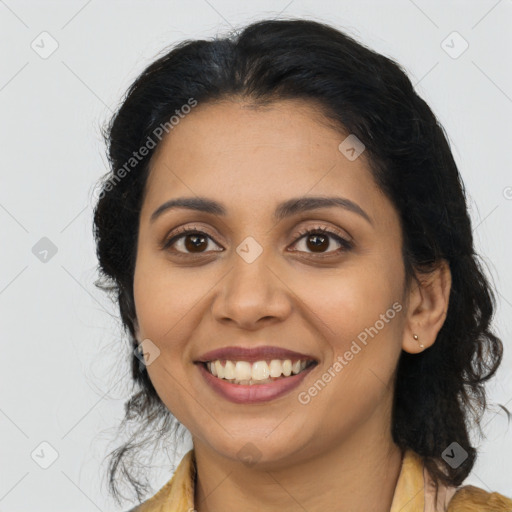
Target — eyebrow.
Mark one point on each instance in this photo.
(283, 210)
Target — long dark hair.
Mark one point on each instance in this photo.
(439, 394)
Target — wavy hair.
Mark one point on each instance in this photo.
(439, 394)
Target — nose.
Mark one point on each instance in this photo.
(252, 295)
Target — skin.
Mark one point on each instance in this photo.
(337, 450)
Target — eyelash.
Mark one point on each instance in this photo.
(182, 232)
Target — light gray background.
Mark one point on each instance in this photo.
(64, 364)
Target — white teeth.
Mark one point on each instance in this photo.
(296, 367)
(229, 370)
(243, 370)
(287, 368)
(220, 369)
(259, 372)
(275, 368)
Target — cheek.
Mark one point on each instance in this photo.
(347, 301)
(164, 297)
(359, 315)
(164, 306)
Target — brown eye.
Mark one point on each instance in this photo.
(188, 241)
(319, 240)
(195, 242)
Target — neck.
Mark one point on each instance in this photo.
(360, 473)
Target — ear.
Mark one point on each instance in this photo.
(428, 305)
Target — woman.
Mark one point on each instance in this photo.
(287, 235)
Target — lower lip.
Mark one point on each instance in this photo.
(250, 394)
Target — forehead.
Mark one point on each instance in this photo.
(243, 156)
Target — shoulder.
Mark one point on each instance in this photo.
(474, 499)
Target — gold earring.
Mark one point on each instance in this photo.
(415, 336)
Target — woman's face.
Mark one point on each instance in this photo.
(250, 279)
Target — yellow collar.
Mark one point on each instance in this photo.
(413, 491)
(178, 493)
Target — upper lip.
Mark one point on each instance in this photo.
(252, 355)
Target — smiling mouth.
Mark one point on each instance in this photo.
(258, 372)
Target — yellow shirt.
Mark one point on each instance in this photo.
(413, 492)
